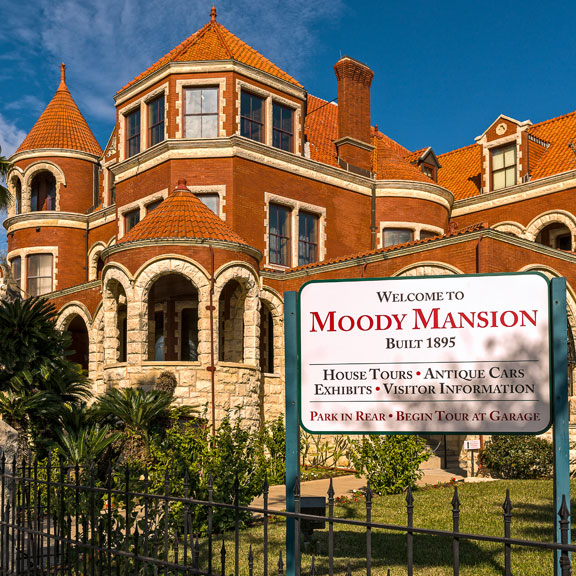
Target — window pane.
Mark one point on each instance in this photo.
(499, 180)
(287, 120)
(131, 219)
(211, 201)
(193, 127)
(210, 101)
(39, 274)
(279, 235)
(511, 176)
(17, 270)
(424, 234)
(252, 116)
(193, 101)
(209, 126)
(509, 157)
(497, 160)
(394, 236)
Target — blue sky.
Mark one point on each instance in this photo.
(444, 70)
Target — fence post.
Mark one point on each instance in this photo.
(561, 408)
(292, 421)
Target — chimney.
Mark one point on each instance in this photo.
(353, 144)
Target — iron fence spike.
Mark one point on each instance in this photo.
(331, 490)
(409, 497)
(507, 506)
(455, 499)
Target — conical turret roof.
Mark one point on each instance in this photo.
(182, 216)
(61, 125)
(215, 42)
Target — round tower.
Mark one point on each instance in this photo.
(54, 184)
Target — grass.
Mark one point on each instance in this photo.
(481, 513)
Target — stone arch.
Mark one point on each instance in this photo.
(32, 171)
(146, 276)
(272, 301)
(510, 228)
(428, 269)
(14, 182)
(549, 218)
(570, 313)
(95, 262)
(247, 280)
(117, 303)
(68, 312)
(97, 349)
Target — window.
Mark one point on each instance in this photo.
(307, 238)
(504, 167)
(17, 271)
(133, 133)
(425, 234)
(156, 121)
(282, 127)
(252, 116)
(279, 235)
(210, 200)
(201, 112)
(150, 207)
(18, 196)
(392, 236)
(189, 335)
(131, 219)
(39, 274)
(429, 171)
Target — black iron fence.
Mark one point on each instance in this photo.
(65, 520)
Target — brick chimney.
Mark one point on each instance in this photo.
(353, 144)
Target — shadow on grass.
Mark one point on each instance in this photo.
(433, 554)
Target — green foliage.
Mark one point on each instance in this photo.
(273, 440)
(317, 451)
(391, 463)
(190, 455)
(37, 383)
(88, 444)
(518, 457)
(166, 382)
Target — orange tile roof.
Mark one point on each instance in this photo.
(61, 125)
(559, 157)
(214, 42)
(461, 171)
(182, 215)
(390, 163)
(467, 230)
(322, 129)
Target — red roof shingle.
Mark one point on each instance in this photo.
(61, 126)
(214, 42)
(182, 216)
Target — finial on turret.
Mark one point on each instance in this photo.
(213, 13)
(63, 73)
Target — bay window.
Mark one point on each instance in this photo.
(156, 121)
(252, 116)
(39, 279)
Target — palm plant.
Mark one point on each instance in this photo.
(5, 167)
(87, 444)
(135, 411)
(37, 382)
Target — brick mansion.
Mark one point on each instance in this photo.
(224, 184)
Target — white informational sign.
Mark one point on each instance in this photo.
(453, 354)
(472, 444)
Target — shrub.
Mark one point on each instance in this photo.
(166, 382)
(518, 457)
(391, 463)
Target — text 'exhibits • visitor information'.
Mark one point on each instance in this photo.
(446, 354)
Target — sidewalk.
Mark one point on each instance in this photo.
(344, 485)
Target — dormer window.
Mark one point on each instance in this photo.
(503, 167)
(201, 112)
(252, 116)
(429, 171)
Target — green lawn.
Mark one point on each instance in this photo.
(481, 513)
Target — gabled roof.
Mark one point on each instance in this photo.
(182, 216)
(61, 125)
(462, 171)
(214, 42)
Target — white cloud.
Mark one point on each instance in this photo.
(10, 136)
(105, 44)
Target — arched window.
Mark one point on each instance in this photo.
(556, 235)
(43, 192)
(17, 195)
(173, 320)
(79, 345)
(231, 323)
(99, 266)
(266, 339)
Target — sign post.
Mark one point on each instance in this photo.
(561, 408)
